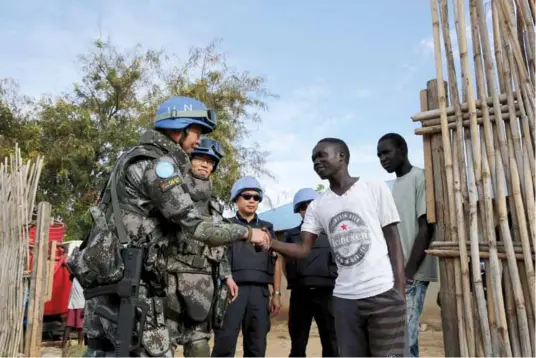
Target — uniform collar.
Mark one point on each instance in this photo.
(242, 219)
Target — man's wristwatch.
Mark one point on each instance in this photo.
(276, 293)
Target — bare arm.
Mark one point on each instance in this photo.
(283, 265)
(296, 251)
(421, 243)
(277, 274)
(396, 255)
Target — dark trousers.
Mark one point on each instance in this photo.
(251, 312)
(306, 304)
(371, 327)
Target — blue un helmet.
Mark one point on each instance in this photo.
(178, 113)
(302, 196)
(245, 183)
(210, 147)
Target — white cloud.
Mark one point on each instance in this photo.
(426, 46)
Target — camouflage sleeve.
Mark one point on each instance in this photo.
(225, 266)
(162, 182)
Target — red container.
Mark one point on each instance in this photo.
(61, 289)
(55, 233)
(61, 286)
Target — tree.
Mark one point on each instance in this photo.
(320, 188)
(82, 132)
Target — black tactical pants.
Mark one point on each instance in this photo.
(251, 312)
(306, 304)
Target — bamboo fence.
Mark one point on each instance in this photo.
(478, 134)
(18, 186)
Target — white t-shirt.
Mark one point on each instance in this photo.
(353, 223)
(76, 299)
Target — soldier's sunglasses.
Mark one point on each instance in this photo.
(303, 206)
(255, 197)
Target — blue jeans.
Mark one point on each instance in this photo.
(415, 293)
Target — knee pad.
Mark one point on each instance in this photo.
(197, 349)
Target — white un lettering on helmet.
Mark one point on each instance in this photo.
(188, 107)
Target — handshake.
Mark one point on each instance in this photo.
(260, 238)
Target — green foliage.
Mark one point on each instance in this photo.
(82, 132)
(320, 188)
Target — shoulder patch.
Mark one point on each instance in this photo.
(164, 170)
(167, 184)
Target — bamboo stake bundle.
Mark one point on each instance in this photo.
(460, 179)
(495, 136)
(445, 133)
(507, 11)
(523, 12)
(516, 195)
(512, 263)
(501, 139)
(18, 185)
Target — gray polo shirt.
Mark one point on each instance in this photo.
(410, 199)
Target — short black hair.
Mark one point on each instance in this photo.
(397, 140)
(342, 146)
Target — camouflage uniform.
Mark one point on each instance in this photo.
(155, 213)
(194, 273)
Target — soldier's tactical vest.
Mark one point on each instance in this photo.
(98, 262)
(193, 263)
(319, 269)
(248, 265)
(189, 255)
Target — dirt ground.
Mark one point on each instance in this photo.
(430, 339)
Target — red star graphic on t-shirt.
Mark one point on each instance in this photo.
(344, 226)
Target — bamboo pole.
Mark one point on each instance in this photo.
(449, 175)
(482, 246)
(511, 315)
(465, 114)
(50, 271)
(36, 305)
(523, 13)
(17, 180)
(428, 167)
(528, 140)
(456, 253)
(516, 195)
(459, 172)
(449, 316)
(490, 78)
(480, 36)
(512, 264)
(507, 11)
(530, 312)
(424, 116)
(435, 129)
(507, 78)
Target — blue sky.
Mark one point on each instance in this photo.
(352, 71)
